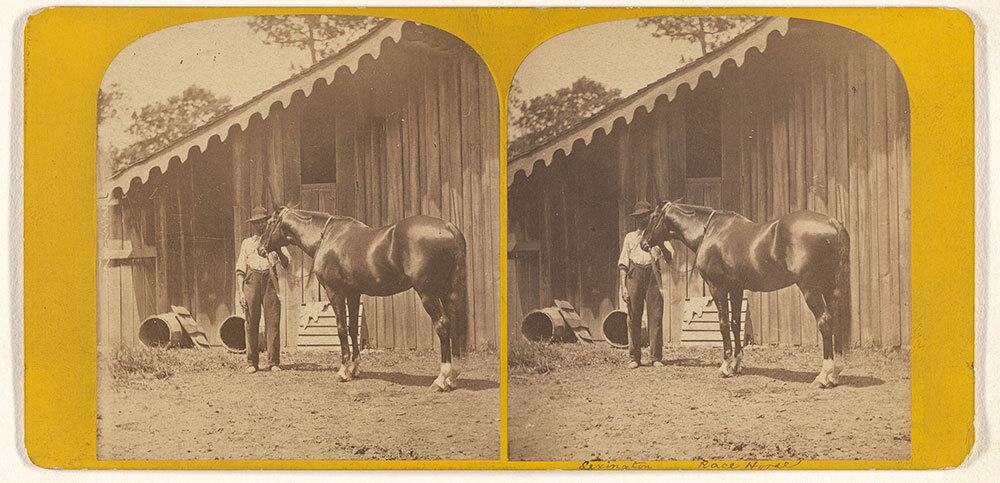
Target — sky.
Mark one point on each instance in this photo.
(222, 55)
(227, 58)
(617, 54)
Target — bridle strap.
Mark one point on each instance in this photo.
(709, 220)
(325, 226)
(278, 218)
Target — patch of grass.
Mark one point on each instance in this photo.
(211, 359)
(129, 363)
(531, 356)
(534, 357)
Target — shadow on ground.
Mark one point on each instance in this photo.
(422, 380)
(807, 377)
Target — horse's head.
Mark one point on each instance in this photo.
(274, 236)
(661, 227)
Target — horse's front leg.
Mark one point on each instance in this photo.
(353, 308)
(735, 314)
(721, 298)
(340, 307)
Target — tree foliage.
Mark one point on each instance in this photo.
(542, 118)
(160, 123)
(320, 35)
(107, 102)
(708, 32)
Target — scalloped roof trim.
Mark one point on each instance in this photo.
(372, 45)
(736, 51)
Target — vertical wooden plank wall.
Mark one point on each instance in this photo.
(417, 133)
(431, 148)
(804, 126)
(832, 137)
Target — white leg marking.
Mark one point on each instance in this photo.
(738, 363)
(823, 379)
(343, 373)
(440, 383)
(838, 367)
(450, 371)
(726, 368)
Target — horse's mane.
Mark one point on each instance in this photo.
(307, 215)
(691, 209)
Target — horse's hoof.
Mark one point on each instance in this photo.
(738, 365)
(725, 370)
(439, 385)
(355, 369)
(822, 381)
(834, 377)
(343, 374)
(452, 381)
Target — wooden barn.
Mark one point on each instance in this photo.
(790, 115)
(403, 121)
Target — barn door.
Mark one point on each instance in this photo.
(127, 274)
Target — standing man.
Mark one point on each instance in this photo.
(257, 288)
(640, 288)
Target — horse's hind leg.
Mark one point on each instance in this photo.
(432, 304)
(353, 306)
(454, 315)
(819, 308)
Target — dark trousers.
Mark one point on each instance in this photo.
(262, 294)
(643, 286)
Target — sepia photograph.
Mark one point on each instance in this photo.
(298, 224)
(708, 244)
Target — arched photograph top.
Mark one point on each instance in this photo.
(287, 203)
(711, 216)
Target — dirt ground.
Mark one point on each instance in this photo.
(212, 410)
(592, 407)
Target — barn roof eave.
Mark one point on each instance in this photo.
(370, 44)
(736, 51)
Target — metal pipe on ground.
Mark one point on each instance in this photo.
(233, 334)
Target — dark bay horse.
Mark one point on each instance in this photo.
(351, 259)
(732, 253)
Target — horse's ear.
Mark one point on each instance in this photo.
(678, 200)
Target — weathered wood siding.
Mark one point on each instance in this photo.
(417, 132)
(167, 242)
(820, 121)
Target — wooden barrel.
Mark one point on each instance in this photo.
(233, 335)
(548, 324)
(615, 327)
(163, 330)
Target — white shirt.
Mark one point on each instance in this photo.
(250, 259)
(633, 252)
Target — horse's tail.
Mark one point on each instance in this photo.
(842, 290)
(458, 296)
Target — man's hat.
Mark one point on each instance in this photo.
(258, 214)
(642, 208)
